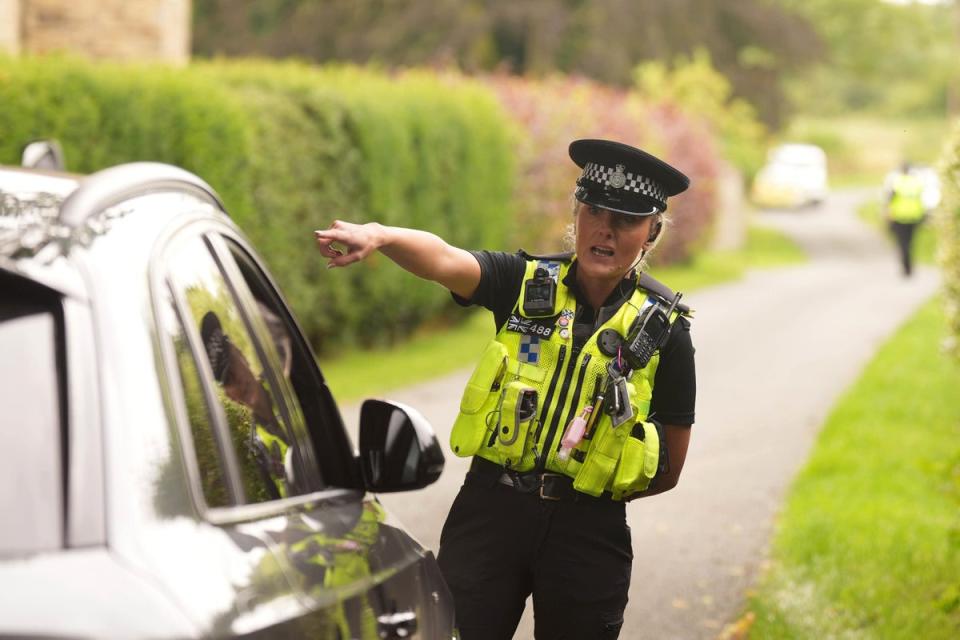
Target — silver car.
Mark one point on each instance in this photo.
(174, 463)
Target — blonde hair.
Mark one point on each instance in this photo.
(570, 235)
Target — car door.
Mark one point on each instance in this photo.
(242, 464)
(359, 570)
(272, 463)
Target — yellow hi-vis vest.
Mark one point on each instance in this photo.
(273, 452)
(537, 353)
(906, 206)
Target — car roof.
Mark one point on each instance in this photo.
(43, 214)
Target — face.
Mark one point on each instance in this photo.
(242, 386)
(609, 243)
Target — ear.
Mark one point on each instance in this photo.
(655, 230)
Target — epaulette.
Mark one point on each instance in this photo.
(565, 256)
(652, 285)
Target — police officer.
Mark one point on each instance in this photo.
(905, 211)
(582, 402)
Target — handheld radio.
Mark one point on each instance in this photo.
(648, 333)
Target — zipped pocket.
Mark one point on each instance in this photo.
(480, 399)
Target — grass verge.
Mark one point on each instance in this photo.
(432, 353)
(868, 545)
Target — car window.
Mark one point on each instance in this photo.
(324, 427)
(261, 439)
(31, 484)
(206, 451)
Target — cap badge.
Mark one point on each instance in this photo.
(617, 180)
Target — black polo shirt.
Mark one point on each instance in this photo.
(675, 383)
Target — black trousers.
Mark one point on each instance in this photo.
(904, 232)
(499, 545)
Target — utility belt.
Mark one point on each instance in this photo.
(544, 485)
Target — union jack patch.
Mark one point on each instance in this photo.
(529, 349)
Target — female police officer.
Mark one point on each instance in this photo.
(582, 402)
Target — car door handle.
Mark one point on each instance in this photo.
(402, 624)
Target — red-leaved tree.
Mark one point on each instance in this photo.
(552, 112)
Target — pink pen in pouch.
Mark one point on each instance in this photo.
(574, 433)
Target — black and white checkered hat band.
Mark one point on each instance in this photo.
(620, 179)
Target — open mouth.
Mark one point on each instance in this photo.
(602, 251)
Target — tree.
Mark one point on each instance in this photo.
(752, 42)
(898, 59)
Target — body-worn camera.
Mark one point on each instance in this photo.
(648, 333)
(540, 294)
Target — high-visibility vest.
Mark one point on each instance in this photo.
(906, 205)
(537, 353)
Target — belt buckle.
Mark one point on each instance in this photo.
(543, 478)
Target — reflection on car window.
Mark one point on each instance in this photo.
(321, 427)
(209, 460)
(261, 440)
(31, 501)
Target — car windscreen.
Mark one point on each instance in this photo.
(31, 476)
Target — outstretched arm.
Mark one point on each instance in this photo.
(421, 253)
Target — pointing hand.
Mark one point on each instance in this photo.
(345, 243)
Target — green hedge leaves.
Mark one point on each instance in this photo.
(290, 148)
(947, 221)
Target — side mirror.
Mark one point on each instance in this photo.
(398, 448)
(43, 154)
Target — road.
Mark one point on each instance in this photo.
(774, 352)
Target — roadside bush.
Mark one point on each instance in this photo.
(947, 222)
(110, 114)
(550, 113)
(290, 148)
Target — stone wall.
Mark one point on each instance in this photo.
(103, 29)
(10, 26)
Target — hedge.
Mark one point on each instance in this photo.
(290, 148)
(947, 221)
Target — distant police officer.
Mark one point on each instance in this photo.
(905, 211)
(582, 402)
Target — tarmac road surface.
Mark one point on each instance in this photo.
(774, 352)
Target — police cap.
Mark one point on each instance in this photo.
(625, 179)
(216, 344)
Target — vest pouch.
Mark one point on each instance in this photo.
(638, 462)
(517, 412)
(602, 457)
(480, 399)
(605, 449)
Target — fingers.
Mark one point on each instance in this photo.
(353, 245)
(345, 259)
